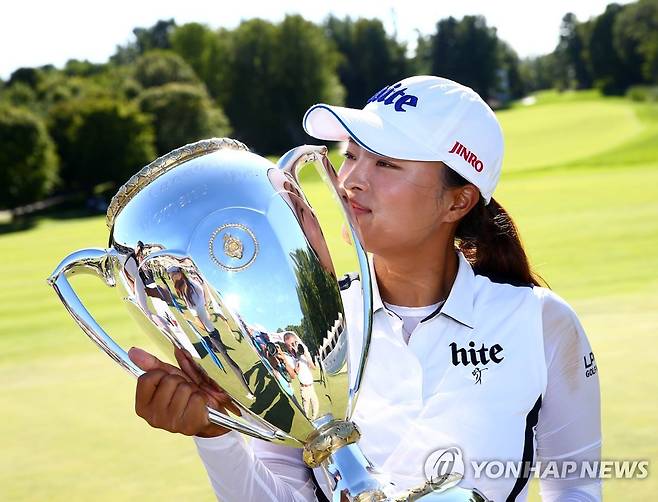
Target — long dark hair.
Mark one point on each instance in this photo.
(489, 240)
(183, 288)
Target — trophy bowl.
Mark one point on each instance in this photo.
(220, 258)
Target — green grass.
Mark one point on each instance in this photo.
(581, 180)
(554, 134)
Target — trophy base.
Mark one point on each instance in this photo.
(352, 478)
(328, 439)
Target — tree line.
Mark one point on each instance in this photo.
(86, 124)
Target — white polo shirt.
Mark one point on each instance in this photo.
(499, 371)
(304, 374)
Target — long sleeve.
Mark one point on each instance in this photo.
(569, 426)
(254, 470)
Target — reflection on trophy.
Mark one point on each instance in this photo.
(219, 255)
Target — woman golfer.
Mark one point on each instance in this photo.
(467, 349)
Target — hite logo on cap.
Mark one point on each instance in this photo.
(468, 156)
(390, 94)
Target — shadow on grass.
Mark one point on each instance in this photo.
(63, 206)
(17, 225)
(64, 212)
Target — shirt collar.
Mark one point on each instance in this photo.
(459, 304)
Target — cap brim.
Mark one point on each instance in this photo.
(368, 129)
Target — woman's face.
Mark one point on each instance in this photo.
(398, 204)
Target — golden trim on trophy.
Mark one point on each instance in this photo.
(327, 439)
(163, 164)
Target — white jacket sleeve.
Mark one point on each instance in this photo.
(569, 426)
(242, 469)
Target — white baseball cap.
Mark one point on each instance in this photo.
(421, 118)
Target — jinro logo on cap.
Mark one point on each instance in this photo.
(468, 156)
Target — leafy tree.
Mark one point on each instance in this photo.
(610, 72)
(27, 76)
(28, 161)
(119, 80)
(277, 72)
(319, 296)
(191, 41)
(160, 67)
(300, 50)
(155, 37)
(538, 72)
(209, 53)
(466, 51)
(251, 84)
(100, 140)
(146, 39)
(19, 94)
(75, 67)
(510, 72)
(635, 35)
(370, 59)
(182, 113)
(79, 80)
(58, 88)
(570, 53)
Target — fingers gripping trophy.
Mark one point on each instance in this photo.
(221, 259)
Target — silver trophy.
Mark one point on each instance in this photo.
(220, 257)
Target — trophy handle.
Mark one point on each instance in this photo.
(99, 262)
(291, 163)
(92, 261)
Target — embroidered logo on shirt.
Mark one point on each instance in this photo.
(477, 373)
(590, 366)
(475, 357)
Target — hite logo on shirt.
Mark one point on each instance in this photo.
(468, 156)
(475, 357)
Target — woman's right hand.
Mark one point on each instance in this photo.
(175, 399)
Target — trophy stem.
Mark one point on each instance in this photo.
(353, 478)
(352, 475)
(333, 447)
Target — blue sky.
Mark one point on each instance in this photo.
(34, 33)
